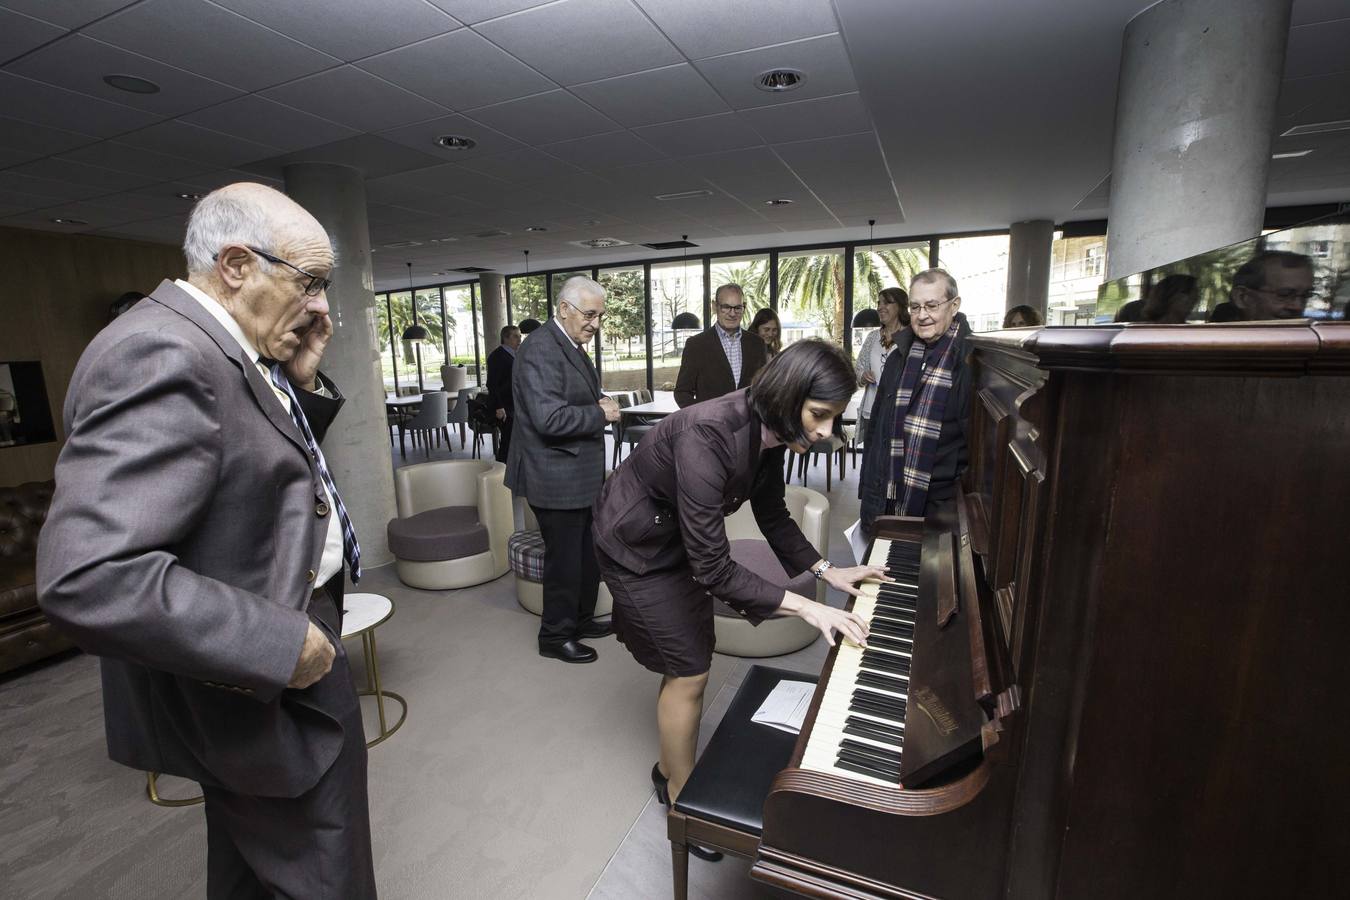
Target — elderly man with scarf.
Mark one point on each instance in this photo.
(916, 437)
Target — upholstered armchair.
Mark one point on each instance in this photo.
(527, 561)
(454, 521)
(785, 634)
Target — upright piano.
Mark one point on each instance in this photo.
(1112, 669)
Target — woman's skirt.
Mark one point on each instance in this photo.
(665, 619)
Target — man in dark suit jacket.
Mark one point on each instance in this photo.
(499, 363)
(197, 543)
(557, 462)
(722, 359)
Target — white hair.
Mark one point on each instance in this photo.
(577, 286)
(221, 218)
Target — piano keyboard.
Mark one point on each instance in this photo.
(859, 730)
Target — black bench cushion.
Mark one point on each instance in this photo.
(730, 781)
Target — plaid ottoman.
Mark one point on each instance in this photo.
(525, 553)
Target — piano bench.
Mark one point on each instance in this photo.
(722, 804)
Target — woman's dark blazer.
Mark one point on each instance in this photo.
(664, 508)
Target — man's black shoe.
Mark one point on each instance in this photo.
(595, 628)
(571, 651)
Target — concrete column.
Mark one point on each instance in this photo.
(1195, 116)
(1029, 264)
(357, 446)
(492, 307)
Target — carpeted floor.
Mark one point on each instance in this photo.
(514, 776)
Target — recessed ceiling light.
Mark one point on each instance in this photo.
(187, 195)
(778, 80)
(131, 84)
(536, 228)
(778, 201)
(684, 195)
(1291, 154)
(60, 221)
(456, 142)
(601, 243)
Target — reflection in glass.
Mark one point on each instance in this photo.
(1296, 272)
(676, 287)
(980, 267)
(624, 334)
(1077, 270)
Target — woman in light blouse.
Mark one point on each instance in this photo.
(893, 310)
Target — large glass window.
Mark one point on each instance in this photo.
(811, 295)
(459, 325)
(528, 300)
(623, 334)
(882, 266)
(1077, 270)
(386, 345)
(404, 367)
(677, 287)
(980, 267)
(751, 273)
(430, 354)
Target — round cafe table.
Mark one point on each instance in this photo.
(361, 615)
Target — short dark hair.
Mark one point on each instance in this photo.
(506, 332)
(1252, 274)
(528, 325)
(1028, 313)
(813, 369)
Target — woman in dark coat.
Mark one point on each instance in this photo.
(661, 540)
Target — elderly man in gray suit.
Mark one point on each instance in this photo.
(557, 463)
(197, 543)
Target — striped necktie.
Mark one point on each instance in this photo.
(351, 550)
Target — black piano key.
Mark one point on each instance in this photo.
(863, 731)
(889, 643)
(891, 664)
(891, 628)
(868, 766)
(893, 705)
(882, 755)
(878, 731)
(884, 682)
(880, 710)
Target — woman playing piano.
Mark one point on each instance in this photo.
(661, 540)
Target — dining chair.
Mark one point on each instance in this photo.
(430, 422)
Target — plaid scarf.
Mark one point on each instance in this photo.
(919, 405)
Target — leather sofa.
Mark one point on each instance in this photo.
(25, 634)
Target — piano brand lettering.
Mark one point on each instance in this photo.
(932, 707)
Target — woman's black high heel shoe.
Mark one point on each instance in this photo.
(662, 785)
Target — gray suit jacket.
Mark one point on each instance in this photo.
(181, 546)
(557, 455)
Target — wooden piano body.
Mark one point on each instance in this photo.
(1152, 550)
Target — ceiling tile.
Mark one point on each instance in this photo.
(10, 157)
(73, 173)
(520, 165)
(39, 139)
(708, 134)
(167, 230)
(19, 34)
(39, 220)
(806, 119)
(370, 154)
(43, 104)
(839, 170)
(545, 118)
(204, 38)
(136, 161)
(657, 95)
(460, 70)
(472, 11)
(604, 151)
(212, 180)
(355, 98)
(97, 213)
(1318, 49)
(581, 40)
(436, 181)
(756, 162)
(16, 189)
(78, 63)
(423, 135)
(155, 200)
(255, 118)
(710, 29)
(349, 29)
(67, 13)
(179, 138)
(823, 60)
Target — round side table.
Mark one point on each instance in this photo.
(361, 615)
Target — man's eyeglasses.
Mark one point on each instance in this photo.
(1288, 295)
(316, 285)
(589, 315)
(930, 307)
(731, 309)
